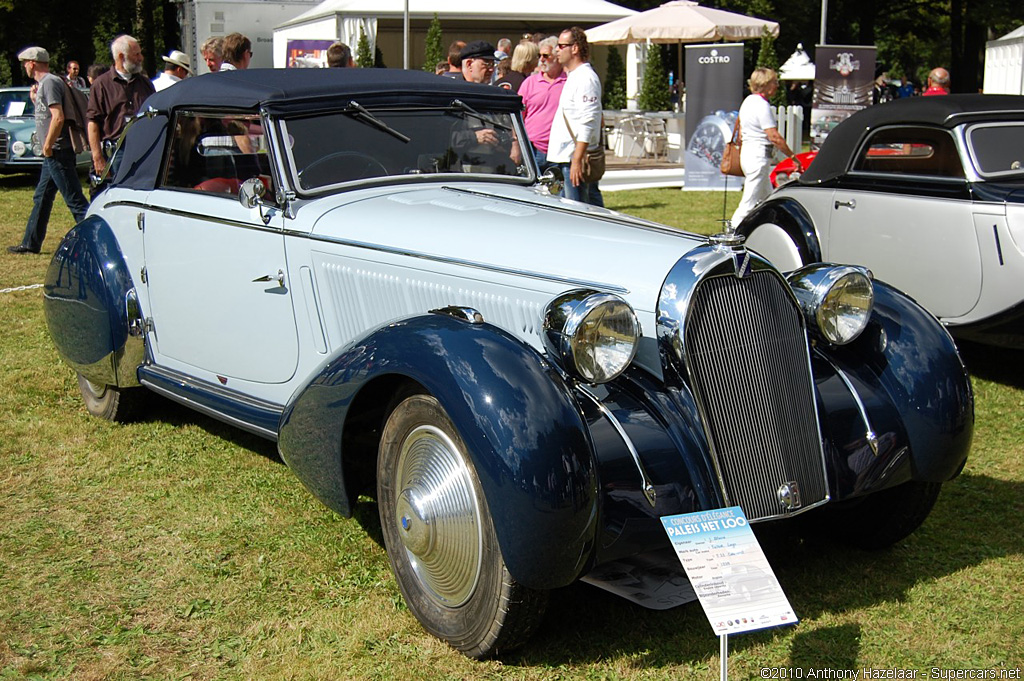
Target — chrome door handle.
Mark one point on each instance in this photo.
(851, 204)
(279, 278)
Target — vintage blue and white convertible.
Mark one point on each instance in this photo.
(362, 266)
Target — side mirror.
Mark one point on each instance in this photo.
(553, 180)
(250, 193)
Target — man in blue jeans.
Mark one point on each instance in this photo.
(58, 172)
(576, 127)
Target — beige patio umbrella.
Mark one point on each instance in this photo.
(681, 21)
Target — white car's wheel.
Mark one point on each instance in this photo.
(440, 539)
(777, 246)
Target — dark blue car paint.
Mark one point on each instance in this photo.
(922, 375)
(518, 418)
(84, 289)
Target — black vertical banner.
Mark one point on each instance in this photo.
(714, 91)
(843, 78)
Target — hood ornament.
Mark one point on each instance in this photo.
(732, 243)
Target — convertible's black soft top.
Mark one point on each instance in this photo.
(291, 91)
(945, 111)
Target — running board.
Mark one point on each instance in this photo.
(242, 411)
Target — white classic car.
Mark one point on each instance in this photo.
(926, 192)
(362, 266)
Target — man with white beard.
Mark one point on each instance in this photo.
(115, 98)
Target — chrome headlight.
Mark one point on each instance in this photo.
(837, 300)
(18, 148)
(591, 335)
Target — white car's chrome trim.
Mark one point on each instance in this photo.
(582, 283)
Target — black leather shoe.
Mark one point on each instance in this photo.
(20, 249)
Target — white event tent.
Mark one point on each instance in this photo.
(382, 22)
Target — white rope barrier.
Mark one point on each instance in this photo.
(20, 288)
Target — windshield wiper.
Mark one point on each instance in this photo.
(487, 120)
(359, 112)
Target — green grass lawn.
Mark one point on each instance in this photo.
(179, 548)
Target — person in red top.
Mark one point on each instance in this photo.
(540, 93)
(938, 83)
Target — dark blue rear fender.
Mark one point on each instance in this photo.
(89, 302)
(916, 392)
(524, 431)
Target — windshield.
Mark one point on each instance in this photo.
(16, 103)
(997, 148)
(359, 144)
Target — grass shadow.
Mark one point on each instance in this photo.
(586, 624)
(999, 365)
(159, 409)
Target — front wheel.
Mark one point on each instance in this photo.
(439, 536)
(109, 402)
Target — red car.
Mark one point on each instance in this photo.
(786, 170)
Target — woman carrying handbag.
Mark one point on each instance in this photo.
(759, 134)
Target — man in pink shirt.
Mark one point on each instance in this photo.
(540, 93)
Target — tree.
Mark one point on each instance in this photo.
(767, 58)
(435, 50)
(364, 59)
(615, 81)
(654, 92)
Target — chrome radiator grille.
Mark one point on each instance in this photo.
(5, 142)
(747, 354)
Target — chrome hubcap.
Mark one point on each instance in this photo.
(437, 516)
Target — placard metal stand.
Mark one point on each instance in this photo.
(723, 656)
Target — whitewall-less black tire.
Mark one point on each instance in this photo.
(109, 402)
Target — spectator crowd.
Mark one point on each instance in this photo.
(560, 90)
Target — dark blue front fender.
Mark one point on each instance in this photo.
(917, 393)
(524, 431)
(89, 302)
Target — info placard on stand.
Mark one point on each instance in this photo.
(729, 572)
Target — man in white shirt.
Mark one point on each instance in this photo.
(176, 68)
(578, 116)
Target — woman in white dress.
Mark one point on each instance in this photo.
(759, 134)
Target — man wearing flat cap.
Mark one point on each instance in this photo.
(481, 144)
(176, 68)
(58, 173)
(477, 60)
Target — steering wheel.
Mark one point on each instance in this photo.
(341, 166)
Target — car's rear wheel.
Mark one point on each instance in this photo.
(109, 402)
(778, 246)
(879, 520)
(439, 536)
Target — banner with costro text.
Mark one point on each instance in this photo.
(714, 91)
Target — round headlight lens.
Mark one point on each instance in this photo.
(604, 340)
(845, 308)
(593, 335)
(18, 148)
